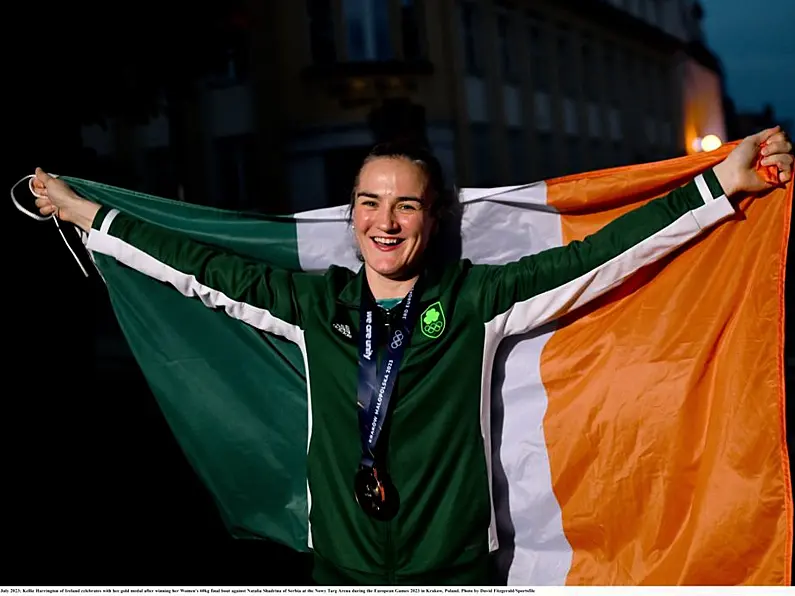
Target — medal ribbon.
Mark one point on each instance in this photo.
(376, 384)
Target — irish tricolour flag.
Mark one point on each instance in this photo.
(640, 440)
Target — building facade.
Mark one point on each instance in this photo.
(505, 92)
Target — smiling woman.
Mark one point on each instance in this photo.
(412, 504)
(399, 202)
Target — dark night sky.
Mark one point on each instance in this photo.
(756, 44)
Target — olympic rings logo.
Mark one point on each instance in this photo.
(434, 327)
(397, 340)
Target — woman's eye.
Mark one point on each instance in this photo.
(407, 207)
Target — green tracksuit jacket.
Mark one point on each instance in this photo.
(438, 433)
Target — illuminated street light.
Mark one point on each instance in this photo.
(710, 143)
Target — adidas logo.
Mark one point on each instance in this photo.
(344, 329)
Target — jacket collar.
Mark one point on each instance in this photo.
(432, 278)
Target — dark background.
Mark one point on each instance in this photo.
(95, 490)
(94, 487)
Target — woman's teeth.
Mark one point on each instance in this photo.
(387, 241)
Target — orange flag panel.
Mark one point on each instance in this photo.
(665, 425)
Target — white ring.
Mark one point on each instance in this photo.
(29, 177)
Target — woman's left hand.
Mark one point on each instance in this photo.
(737, 173)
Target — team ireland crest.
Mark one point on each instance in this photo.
(432, 321)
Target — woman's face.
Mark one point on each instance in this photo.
(392, 217)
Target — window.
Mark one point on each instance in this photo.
(667, 106)
(231, 64)
(659, 14)
(482, 154)
(468, 25)
(662, 90)
(589, 51)
(566, 61)
(231, 67)
(539, 59)
(629, 76)
(666, 76)
(654, 89)
(545, 156)
(648, 84)
(618, 154)
(410, 31)
(599, 159)
(520, 171)
(321, 31)
(367, 32)
(368, 29)
(160, 173)
(614, 124)
(341, 166)
(574, 150)
(504, 41)
(237, 166)
(643, 6)
(610, 75)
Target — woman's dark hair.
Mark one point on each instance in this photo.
(444, 202)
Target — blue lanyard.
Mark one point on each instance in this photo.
(376, 384)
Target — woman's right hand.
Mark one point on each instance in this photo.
(57, 197)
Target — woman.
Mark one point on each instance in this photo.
(406, 499)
